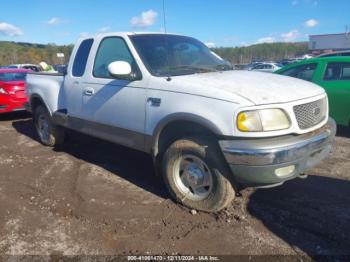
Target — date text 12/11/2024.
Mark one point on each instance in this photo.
(173, 258)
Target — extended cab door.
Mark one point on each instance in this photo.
(74, 78)
(335, 79)
(113, 109)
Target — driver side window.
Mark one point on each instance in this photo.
(111, 49)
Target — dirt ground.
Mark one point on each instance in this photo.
(92, 197)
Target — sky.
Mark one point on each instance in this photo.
(215, 22)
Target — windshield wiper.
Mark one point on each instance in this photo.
(223, 67)
(196, 68)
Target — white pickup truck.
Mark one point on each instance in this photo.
(211, 131)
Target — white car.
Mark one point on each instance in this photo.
(210, 130)
(35, 68)
(266, 67)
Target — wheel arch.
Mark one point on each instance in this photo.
(36, 100)
(168, 129)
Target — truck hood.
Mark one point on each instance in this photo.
(256, 87)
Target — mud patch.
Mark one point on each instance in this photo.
(91, 197)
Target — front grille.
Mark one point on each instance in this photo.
(311, 114)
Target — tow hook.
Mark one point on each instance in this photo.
(303, 176)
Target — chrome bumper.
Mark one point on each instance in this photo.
(249, 157)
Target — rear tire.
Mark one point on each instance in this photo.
(49, 134)
(196, 175)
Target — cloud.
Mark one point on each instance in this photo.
(54, 21)
(10, 30)
(305, 2)
(104, 29)
(311, 23)
(63, 34)
(243, 43)
(210, 45)
(284, 37)
(146, 19)
(290, 36)
(84, 34)
(268, 39)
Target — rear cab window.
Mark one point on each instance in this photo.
(81, 58)
(337, 71)
(304, 72)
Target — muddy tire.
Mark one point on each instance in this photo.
(49, 134)
(196, 175)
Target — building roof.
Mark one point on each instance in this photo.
(330, 34)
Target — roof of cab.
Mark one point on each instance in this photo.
(124, 34)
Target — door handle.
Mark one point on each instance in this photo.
(89, 92)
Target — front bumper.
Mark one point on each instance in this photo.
(271, 161)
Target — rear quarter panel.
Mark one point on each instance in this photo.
(47, 87)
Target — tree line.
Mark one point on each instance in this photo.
(260, 52)
(20, 53)
(23, 53)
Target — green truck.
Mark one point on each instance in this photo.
(333, 74)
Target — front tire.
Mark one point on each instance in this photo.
(49, 134)
(196, 175)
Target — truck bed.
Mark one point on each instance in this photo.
(46, 73)
(47, 85)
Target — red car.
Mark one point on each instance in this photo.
(12, 90)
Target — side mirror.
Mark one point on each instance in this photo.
(120, 69)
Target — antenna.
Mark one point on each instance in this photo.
(165, 41)
(164, 17)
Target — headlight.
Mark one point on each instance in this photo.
(3, 91)
(262, 120)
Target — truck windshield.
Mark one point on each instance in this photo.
(9, 77)
(171, 55)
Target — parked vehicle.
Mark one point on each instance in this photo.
(286, 61)
(62, 69)
(339, 53)
(289, 61)
(12, 90)
(32, 67)
(210, 130)
(250, 66)
(266, 67)
(333, 74)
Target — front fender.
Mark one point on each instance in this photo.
(196, 119)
